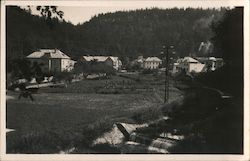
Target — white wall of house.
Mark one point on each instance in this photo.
(151, 64)
(67, 64)
(196, 67)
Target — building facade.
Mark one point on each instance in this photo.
(51, 60)
(152, 63)
(113, 61)
(189, 65)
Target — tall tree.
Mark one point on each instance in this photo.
(49, 11)
(228, 39)
(228, 42)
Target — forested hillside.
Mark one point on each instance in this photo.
(26, 33)
(124, 33)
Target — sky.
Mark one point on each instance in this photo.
(82, 12)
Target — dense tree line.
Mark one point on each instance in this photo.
(212, 124)
(123, 33)
(145, 31)
(27, 33)
(228, 42)
(224, 132)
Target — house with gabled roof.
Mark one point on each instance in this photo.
(152, 63)
(189, 64)
(113, 61)
(51, 60)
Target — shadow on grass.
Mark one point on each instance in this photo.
(209, 123)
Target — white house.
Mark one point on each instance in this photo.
(152, 63)
(189, 64)
(51, 60)
(113, 61)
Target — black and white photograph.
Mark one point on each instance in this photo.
(124, 77)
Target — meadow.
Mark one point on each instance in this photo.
(72, 117)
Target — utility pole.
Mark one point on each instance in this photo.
(166, 90)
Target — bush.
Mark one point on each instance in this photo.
(226, 78)
(198, 103)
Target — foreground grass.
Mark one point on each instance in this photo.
(56, 122)
(63, 118)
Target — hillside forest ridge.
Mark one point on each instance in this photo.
(123, 33)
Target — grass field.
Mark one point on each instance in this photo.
(68, 115)
(75, 116)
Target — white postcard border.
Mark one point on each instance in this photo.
(146, 157)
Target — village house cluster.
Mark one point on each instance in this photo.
(54, 60)
(197, 64)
